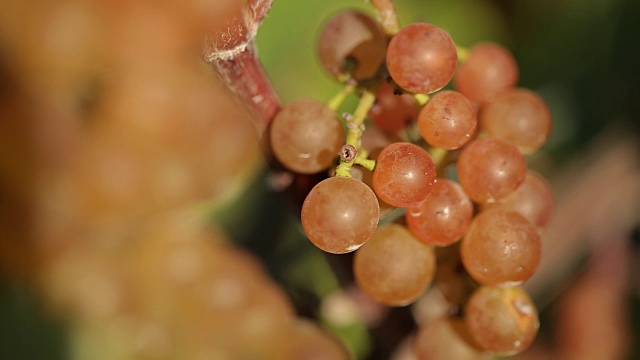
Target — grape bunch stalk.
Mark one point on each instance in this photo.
(443, 186)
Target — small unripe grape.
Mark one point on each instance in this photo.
(520, 117)
(500, 248)
(490, 169)
(502, 320)
(306, 136)
(422, 58)
(533, 199)
(447, 338)
(489, 70)
(443, 217)
(394, 267)
(340, 214)
(404, 174)
(352, 36)
(448, 120)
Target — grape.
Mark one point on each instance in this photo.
(422, 58)
(306, 136)
(394, 267)
(490, 169)
(393, 112)
(352, 36)
(340, 214)
(448, 120)
(306, 340)
(500, 248)
(404, 174)
(504, 321)
(533, 199)
(447, 338)
(489, 70)
(443, 217)
(520, 117)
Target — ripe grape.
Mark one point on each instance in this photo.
(533, 199)
(520, 117)
(446, 338)
(393, 112)
(306, 136)
(340, 214)
(489, 70)
(306, 340)
(404, 174)
(443, 217)
(502, 320)
(500, 248)
(422, 58)
(490, 169)
(448, 120)
(394, 267)
(352, 36)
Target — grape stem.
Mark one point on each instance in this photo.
(239, 69)
(338, 99)
(387, 16)
(355, 128)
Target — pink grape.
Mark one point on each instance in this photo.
(448, 120)
(443, 217)
(340, 214)
(490, 169)
(404, 174)
(422, 58)
(489, 70)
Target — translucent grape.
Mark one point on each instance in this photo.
(500, 248)
(394, 267)
(393, 112)
(352, 36)
(533, 199)
(502, 320)
(340, 214)
(520, 117)
(306, 136)
(446, 338)
(448, 120)
(404, 174)
(490, 169)
(443, 217)
(489, 70)
(422, 58)
(306, 340)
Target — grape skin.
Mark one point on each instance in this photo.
(340, 214)
(422, 58)
(490, 169)
(443, 217)
(500, 248)
(446, 338)
(352, 35)
(520, 117)
(489, 70)
(448, 120)
(306, 136)
(533, 199)
(394, 267)
(504, 321)
(393, 112)
(404, 174)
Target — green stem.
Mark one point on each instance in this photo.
(355, 128)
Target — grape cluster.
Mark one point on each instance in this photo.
(452, 131)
